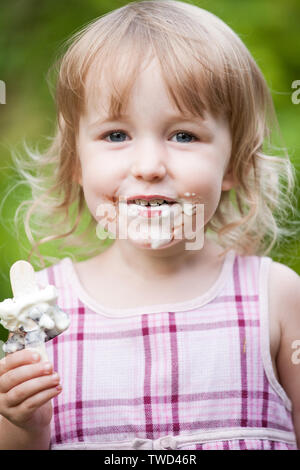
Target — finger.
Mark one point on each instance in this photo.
(21, 374)
(27, 389)
(17, 359)
(30, 405)
(39, 399)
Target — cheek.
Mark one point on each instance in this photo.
(207, 184)
(99, 188)
(97, 177)
(205, 180)
(101, 206)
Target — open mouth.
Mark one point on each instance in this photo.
(143, 208)
(151, 202)
(154, 207)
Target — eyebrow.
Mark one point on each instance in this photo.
(169, 118)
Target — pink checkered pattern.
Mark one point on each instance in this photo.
(201, 375)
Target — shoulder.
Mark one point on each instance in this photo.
(284, 286)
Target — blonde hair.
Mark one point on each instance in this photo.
(206, 67)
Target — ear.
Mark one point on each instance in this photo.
(228, 183)
(77, 174)
(77, 177)
(228, 180)
(79, 180)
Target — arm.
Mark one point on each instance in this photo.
(288, 358)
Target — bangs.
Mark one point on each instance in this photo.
(193, 69)
(190, 84)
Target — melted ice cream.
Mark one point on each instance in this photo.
(14, 313)
(32, 315)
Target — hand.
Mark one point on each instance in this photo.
(27, 386)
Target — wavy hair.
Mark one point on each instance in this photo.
(206, 67)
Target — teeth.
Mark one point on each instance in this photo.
(141, 202)
(153, 202)
(156, 202)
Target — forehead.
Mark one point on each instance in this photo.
(112, 89)
(148, 100)
(108, 94)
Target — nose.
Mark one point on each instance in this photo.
(150, 161)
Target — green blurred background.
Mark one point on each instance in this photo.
(32, 32)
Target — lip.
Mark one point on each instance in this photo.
(149, 197)
(149, 212)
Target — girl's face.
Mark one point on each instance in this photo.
(152, 151)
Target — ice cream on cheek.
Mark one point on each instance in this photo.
(32, 315)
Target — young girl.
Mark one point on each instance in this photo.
(172, 344)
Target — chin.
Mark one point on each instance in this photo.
(156, 245)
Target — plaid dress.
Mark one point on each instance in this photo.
(193, 375)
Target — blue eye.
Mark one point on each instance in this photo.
(117, 134)
(186, 137)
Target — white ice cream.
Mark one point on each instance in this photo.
(32, 315)
(14, 312)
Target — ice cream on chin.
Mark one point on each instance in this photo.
(32, 315)
(153, 238)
